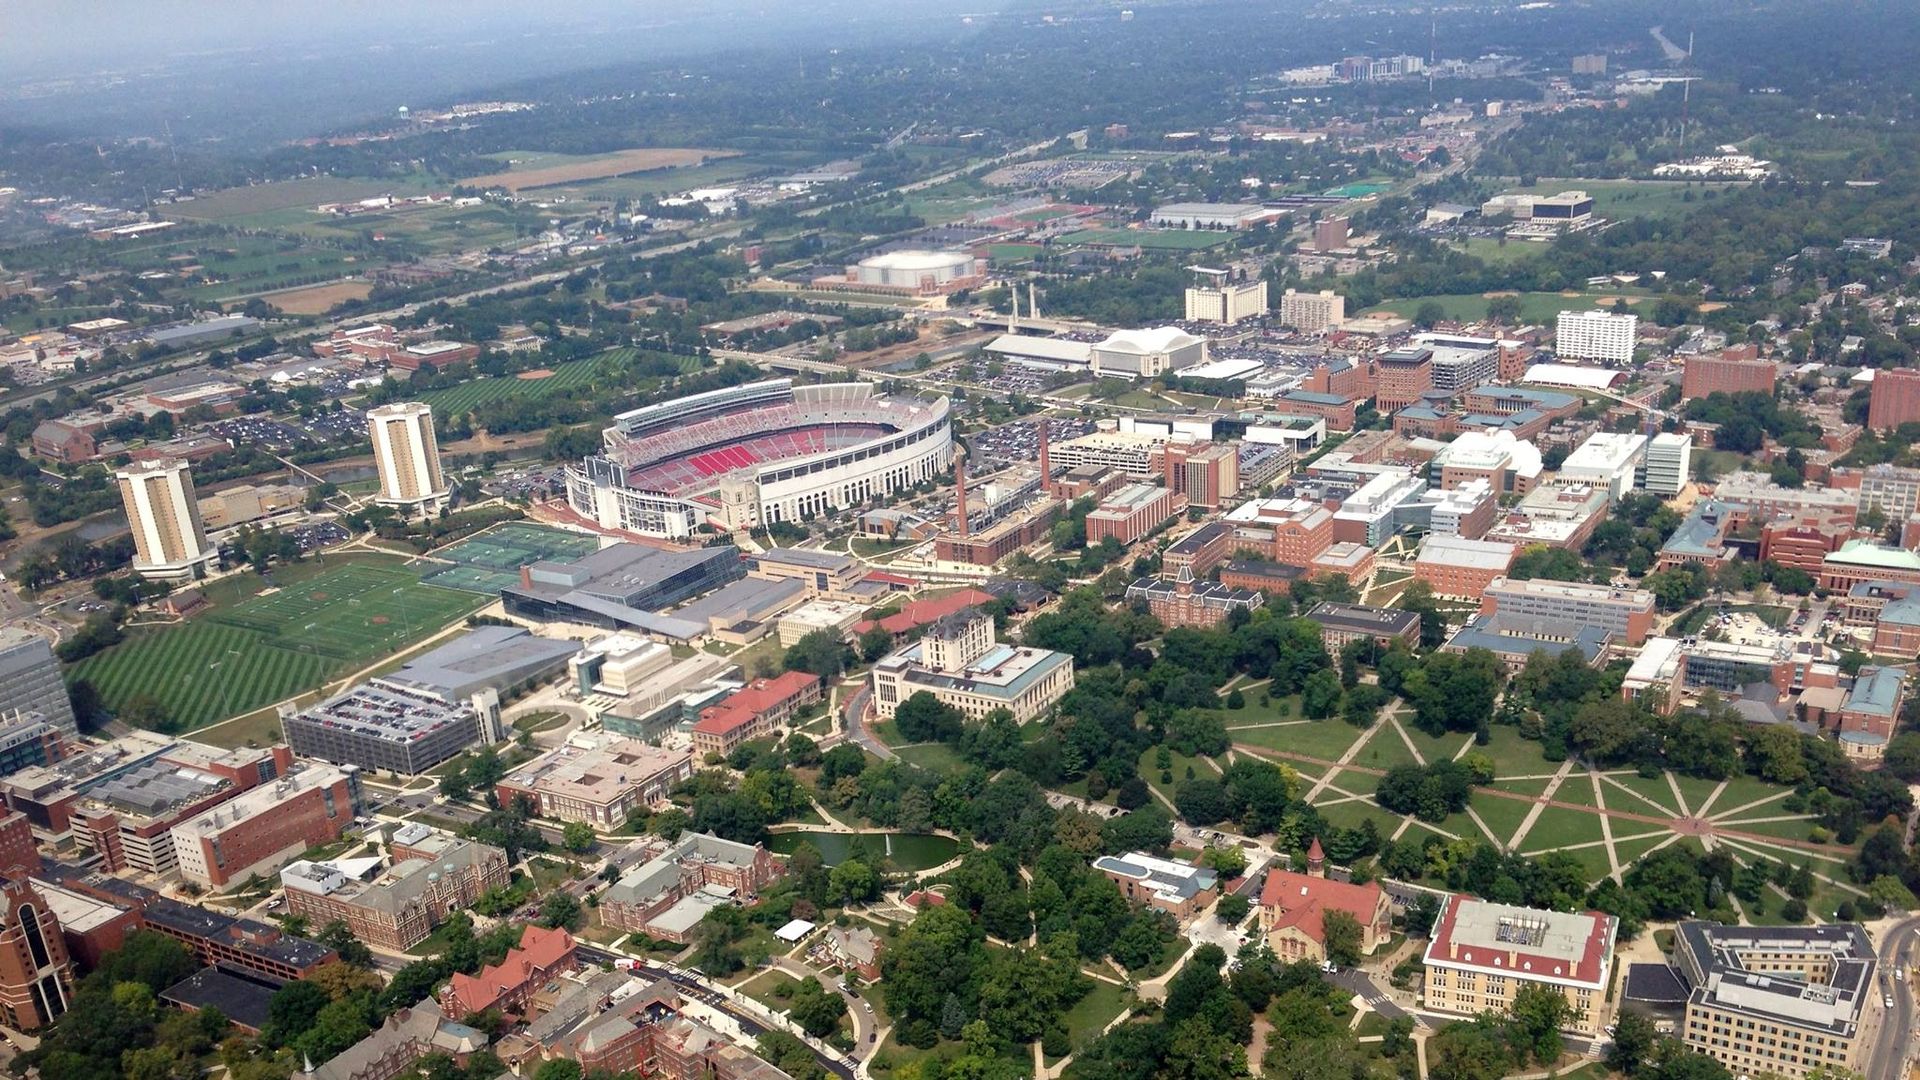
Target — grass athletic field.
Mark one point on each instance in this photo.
(1161, 239)
(532, 386)
(268, 648)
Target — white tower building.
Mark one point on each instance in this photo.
(408, 456)
(169, 539)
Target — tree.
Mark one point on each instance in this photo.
(338, 936)
(875, 642)
(821, 652)
(1538, 1013)
(1633, 1040)
(925, 718)
(1342, 935)
(1203, 802)
(292, 1010)
(577, 837)
(816, 1009)
(854, 882)
(559, 910)
(558, 1069)
(1320, 696)
(1232, 909)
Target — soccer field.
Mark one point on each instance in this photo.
(270, 647)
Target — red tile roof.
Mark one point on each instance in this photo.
(539, 951)
(921, 612)
(1301, 900)
(745, 705)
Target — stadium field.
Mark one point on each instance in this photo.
(269, 647)
(1163, 239)
(490, 561)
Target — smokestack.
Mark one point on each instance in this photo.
(960, 490)
(1033, 302)
(1046, 463)
(1013, 320)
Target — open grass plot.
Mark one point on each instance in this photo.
(528, 385)
(269, 647)
(1515, 756)
(1557, 828)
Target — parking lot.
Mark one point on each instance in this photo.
(1020, 440)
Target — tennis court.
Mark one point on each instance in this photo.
(490, 561)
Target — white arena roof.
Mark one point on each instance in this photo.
(1159, 339)
(1584, 378)
(1055, 350)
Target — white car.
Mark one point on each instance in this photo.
(1887, 1001)
(1329, 967)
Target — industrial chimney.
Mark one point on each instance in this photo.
(960, 489)
(1046, 463)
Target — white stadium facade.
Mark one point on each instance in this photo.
(763, 452)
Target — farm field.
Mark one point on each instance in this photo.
(240, 202)
(1151, 239)
(268, 647)
(318, 299)
(536, 170)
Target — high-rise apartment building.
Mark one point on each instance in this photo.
(1895, 398)
(1596, 335)
(408, 456)
(1330, 234)
(30, 680)
(1226, 302)
(1734, 371)
(169, 539)
(1312, 312)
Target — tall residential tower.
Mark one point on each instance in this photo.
(170, 540)
(408, 456)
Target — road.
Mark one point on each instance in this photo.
(1887, 1059)
(854, 714)
(692, 987)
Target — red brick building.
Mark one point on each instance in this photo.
(1735, 371)
(1133, 512)
(1294, 907)
(1894, 399)
(36, 975)
(1207, 474)
(1200, 550)
(1405, 374)
(1457, 567)
(541, 955)
(754, 711)
(251, 832)
(1336, 410)
(1802, 542)
(57, 440)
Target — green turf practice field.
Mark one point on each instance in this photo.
(491, 560)
(1161, 239)
(531, 386)
(269, 647)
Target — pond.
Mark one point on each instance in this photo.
(907, 851)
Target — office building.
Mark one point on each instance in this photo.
(1133, 512)
(1558, 515)
(1183, 601)
(1182, 890)
(1894, 398)
(1596, 335)
(677, 883)
(1294, 907)
(1893, 489)
(36, 974)
(601, 780)
(1733, 371)
(1404, 375)
(1341, 624)
(755, 711)
(1863, 560)
(1777, 1000)
(1200, 550)
(169, 539)
(432, 875)
(1294, 531)
(1220, 301)
(1483, 953)
(30, 681)
(253, 832)
(1204, 474)
(1625, 613)
(1762, 498)
(1468, 510)
(1330, 234)
(1514, 643)
(407, 455)
(959, 661)
(1606, 460)
(1377, 509)
(1509, 465)
(1667, 464)
(1312, 312)
(1460, 368)
(385, 726)
(1458, 567)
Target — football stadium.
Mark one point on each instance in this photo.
(750, 455)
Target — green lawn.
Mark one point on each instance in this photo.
(1349, 815)
(1323, 739)
(1557, 828)
(1202, 770)
(1626, 199)
(1577, 789)
(1531, 788)
(938, 757)
(1515, 756)
(239, 658)
(1092, 1013)
(1440, 748)
(1638, 843)
(1385, 750)
(1649, 788)
(1696, 791)
(468, 396)
(1742, 790)
(1503, 816)
(1797, 829)
(1151, 239)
